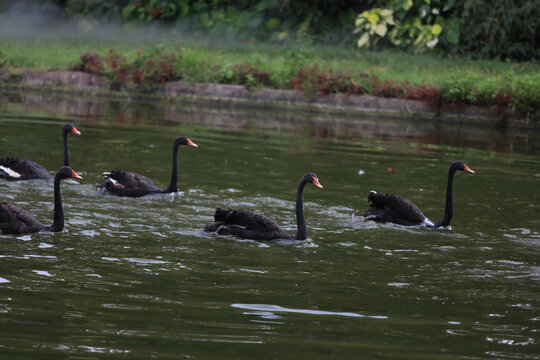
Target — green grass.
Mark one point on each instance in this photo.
(463, 80)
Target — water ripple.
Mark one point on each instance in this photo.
(266, 308)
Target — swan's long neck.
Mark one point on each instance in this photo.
(449, 205)
(173, 186)
(301, 233)
(66, 150)
(58, 222)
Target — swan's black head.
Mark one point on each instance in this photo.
(311, 178)
(459, 165)
(371, 195)
(69, 128)
(183, 140)
(65, 172)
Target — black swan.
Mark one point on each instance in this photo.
(248, 225)
(14, 220)
(14, 169)
(398, 210)
(127, 183)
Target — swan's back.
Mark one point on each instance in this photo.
(394, 208)
(127, 183)
(14, 220)
(246, 224)
(249, 220)
(14, 169)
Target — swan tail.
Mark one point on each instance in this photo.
(9, 173)
(212, 228)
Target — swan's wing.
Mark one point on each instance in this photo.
(127, 183)
(22, 169)
(252, 221)
(14, 220)
(246, 224)
(397, 209)
(402, 208)
(131, 179)
(247, 219)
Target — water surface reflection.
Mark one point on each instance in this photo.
(345, 127)
(137, 278)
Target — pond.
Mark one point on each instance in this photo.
(137, 278)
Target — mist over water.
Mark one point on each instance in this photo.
(32, 20)
(28, 19)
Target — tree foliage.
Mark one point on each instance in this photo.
(488, 29)
(406, 24)
(269, 20)
(503, 29)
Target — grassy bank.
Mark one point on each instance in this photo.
(441, 82)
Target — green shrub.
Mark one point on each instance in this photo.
(521, 93)
(524, 91)
(408, 24)
(244, 74)
(322, 81)
(3, 60)
(461, 89)
(147, 71)
(498, 29)
(269, 20)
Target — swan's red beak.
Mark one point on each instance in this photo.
(467, 169)
(317, 183)
(75, 175)
(75, 131)
(191, 143)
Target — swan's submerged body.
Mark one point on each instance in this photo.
(393, 208)
(132, 184)
(399, 210)
(14, 220)
(17, 169)
(249, 225)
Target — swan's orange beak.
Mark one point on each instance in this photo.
(75, 131)
(75, 175)
(467, 169)
(191, 143)
(317, 183)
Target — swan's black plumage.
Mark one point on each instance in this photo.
(393, 208)
(398, 210)
(68, 129)
(15, 169)
(249, 225)
(131, 184)
(14, 220)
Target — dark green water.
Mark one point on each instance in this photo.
(137, 279)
